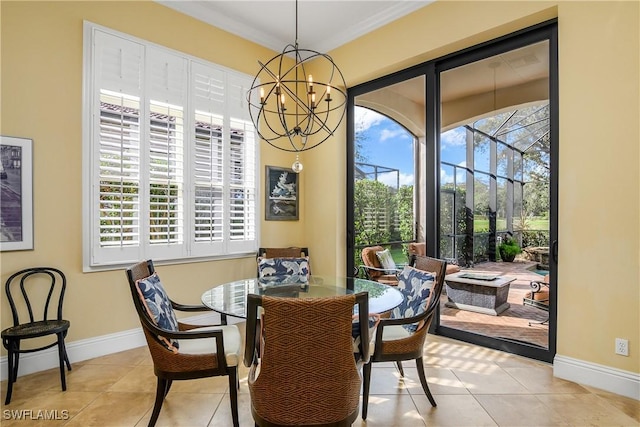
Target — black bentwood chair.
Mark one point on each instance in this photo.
(31, 281)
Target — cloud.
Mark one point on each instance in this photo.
(392, 133)
(366, 118)
(456, 137)
(391, 180)
(446, 178)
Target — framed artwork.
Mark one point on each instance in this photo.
(281, 200)
(16, 194)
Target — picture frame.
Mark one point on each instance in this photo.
(281, 195)
(16, 194)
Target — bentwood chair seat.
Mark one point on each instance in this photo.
(181, 351)
(29, 281)
(303, 359)
(402, 335)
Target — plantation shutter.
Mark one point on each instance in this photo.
(172, 151)
(208, 224)
(115, 223)
(167, 93)
(242, 159)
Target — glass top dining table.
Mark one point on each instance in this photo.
(231, 298)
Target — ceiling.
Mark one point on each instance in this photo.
(323, 25)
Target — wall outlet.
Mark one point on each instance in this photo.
(622, 346)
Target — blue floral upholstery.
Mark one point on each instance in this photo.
(158, 306)
(415, 285)
(283, 270)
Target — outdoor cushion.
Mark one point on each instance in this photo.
(386, 261)
(158, 307)
(415, 285)
(284, 270)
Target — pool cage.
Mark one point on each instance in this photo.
(499, 188)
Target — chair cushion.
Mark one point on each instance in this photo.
(284, 270)
(232, 343)
(415, 285)
(386, 261)
(158, 307)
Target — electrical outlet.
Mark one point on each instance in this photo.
(622, 346)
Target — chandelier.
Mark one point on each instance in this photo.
(290, 110)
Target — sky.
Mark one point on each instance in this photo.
(388, 144)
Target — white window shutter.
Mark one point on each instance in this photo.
(173, 164)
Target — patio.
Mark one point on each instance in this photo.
(512, 323)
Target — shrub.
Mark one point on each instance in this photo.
(509, 248)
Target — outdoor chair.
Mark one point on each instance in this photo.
(538, 297)
(31, 281)
(181, 351)
(420, 249)
(303, 360)
(402, 336)
(373, 268)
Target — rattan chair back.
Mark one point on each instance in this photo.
(169, 366)
(304, 349)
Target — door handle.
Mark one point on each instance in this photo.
(554, 251)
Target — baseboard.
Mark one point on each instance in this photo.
(92, 347)
(614, 380)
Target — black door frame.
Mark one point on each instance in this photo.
(431, 70)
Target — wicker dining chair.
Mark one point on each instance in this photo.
(182, 351)
(402, 336)
(303, 364)
(298, 253)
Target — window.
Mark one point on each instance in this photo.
(170, 162)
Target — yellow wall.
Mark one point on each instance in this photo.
(41, 82)
(599, 218)
(598, 291)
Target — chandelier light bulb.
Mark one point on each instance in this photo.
(297, 166)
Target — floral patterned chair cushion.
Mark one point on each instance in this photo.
(415, 285)
(283, 270)
(158, 306)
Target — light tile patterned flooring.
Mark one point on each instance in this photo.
(473, 386)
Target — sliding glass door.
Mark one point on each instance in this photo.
(478, 133)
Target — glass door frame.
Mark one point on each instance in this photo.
(546, 31)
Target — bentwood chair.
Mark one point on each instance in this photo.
(181, 351)
(303, 359)
(39, 287)
(402, 336)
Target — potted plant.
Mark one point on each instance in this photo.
(509, 248)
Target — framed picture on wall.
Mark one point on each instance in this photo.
(281, 196)
(16, 194)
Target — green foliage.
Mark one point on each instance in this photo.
(373, 206)
(404, 202)
(508, 249)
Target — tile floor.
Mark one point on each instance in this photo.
(473, 386)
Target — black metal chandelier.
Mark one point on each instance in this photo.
(290, 110)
